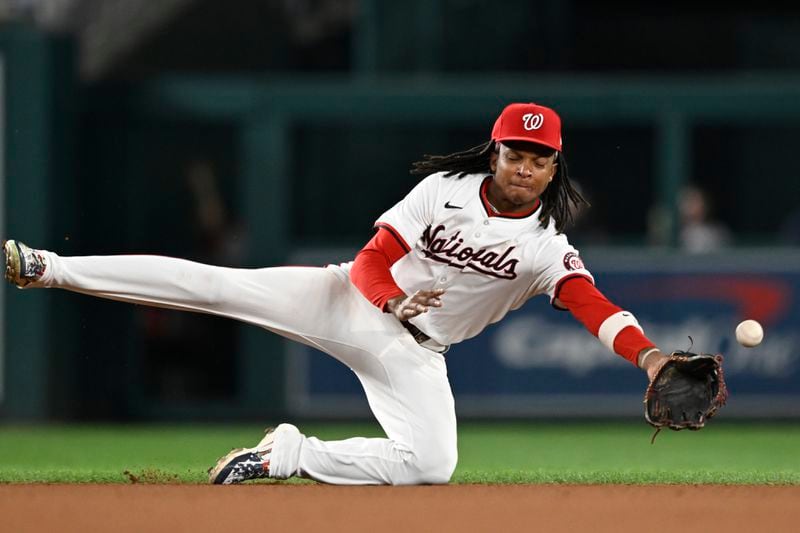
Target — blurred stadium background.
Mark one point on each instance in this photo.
(252, 133)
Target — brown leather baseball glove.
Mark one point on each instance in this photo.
(686, 391)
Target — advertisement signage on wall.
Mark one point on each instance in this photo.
(540, 361)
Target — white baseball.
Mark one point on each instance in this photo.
(749, 333)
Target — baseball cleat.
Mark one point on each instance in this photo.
(243, 464)
(24, 265)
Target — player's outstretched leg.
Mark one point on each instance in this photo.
(274, 298)
(301, 303)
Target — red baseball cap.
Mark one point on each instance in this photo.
(528, 122)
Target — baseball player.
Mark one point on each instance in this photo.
(476, 238)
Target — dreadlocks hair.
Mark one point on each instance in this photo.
(561, 200)
(470, 161)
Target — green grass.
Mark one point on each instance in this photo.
(725, 452)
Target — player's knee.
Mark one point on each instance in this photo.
(439, 473)
(429, 467)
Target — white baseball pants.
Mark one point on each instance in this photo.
(406, 385)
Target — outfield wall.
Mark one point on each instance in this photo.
(539, 361)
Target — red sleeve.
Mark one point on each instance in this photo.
(591, 308)
(370, 271)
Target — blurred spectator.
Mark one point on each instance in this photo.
(219, 235)
(699, 232)
(190, 356)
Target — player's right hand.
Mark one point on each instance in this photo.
(405, 307)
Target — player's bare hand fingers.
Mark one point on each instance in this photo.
(428, 300)
(435, 293)
(418, 303)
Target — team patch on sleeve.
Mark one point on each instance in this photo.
(572, 261)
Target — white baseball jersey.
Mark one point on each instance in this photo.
(488, 265)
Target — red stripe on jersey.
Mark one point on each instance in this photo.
(591, 308)
(396, 234)
(370, 271)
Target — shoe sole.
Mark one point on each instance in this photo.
(13, 262)
(223, 461)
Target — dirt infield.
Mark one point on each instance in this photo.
(547, 508)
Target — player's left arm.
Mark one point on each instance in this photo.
(371, 270)
(616, 328)
(371, 274)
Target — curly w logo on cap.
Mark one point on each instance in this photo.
(532, 122)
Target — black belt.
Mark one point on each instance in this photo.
(417, 333)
